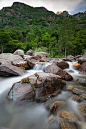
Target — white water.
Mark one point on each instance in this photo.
(75, 74)
(30, 115)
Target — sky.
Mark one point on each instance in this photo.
(72, 6)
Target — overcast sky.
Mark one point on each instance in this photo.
(72, 6)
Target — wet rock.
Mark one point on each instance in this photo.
(58, 71)
(26, 57)
(76, 98)
(30, 63)
(66, 124)
(34, 57)
(66, 59)
(30, 52)
(82, 109)
(52, 123)
(20, 63)
(81, 60)
(63, 64)
(70, 57)
(54, 106)
(77, 57)
(39, 87)
(69, 116)
(44, 59)
(10, 70)
(83, 66)
(69, 88)
(77, 66)
(40, 54)
(70, 71)
(78, 91)
(81, 81)
(19, 52)
(83, 96)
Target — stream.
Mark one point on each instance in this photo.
(31, 115)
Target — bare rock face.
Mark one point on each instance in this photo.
(19, 52)
(10, 70)
(38, 87)
(59, 12)
(58, 71)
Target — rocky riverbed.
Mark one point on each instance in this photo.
(48, 90)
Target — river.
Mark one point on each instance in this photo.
(27, 114)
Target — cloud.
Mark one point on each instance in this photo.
(53, 5)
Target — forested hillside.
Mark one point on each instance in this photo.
(25, 27)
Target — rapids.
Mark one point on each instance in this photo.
(31, 115)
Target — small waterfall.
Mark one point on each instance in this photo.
(40, 66)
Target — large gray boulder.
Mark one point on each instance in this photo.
(40, 54)
(53, 68)
(7, 58)
(10, 70)
(39, 87)
(30, 52)
(19, 52)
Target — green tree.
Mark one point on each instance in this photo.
(4, 39)
(66, 35)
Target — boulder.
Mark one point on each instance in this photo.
(20, 63)
(83, 66)
(77, 66)
(58, 71)
(57, 104)
(10, 70)
(81, 81)
(70, 57)
(81, 60)
(52, 123)
(67, 125)
(63, 64)
(31, 63)
(40, 54)
(30, 52)
(38, 87)
(7, 58)
(76, 98)
(69, 116)
(19, 52)
(77, 57)
(66, 59)
(44, 59)
(78, 91)
(82, 109)
(34, 57)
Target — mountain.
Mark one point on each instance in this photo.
(20, 15)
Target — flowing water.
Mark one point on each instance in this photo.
(26, 114)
